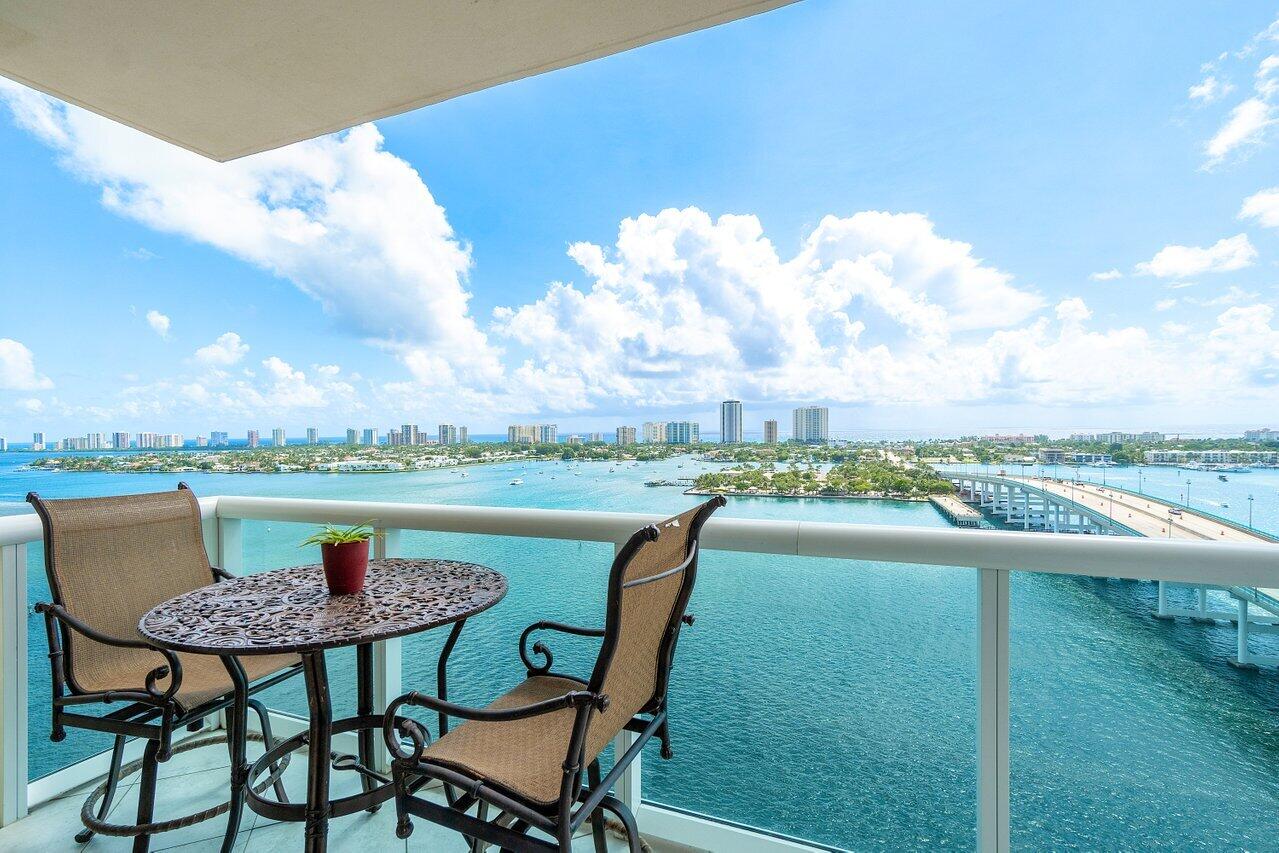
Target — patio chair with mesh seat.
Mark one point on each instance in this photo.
(533, 754)
(108, 561)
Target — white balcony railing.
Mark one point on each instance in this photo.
(993, 554)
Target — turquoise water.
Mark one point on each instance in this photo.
(835, 700)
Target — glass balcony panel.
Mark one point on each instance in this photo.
(1128, 731)
(802, 684)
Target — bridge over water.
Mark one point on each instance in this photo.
(1068, 506)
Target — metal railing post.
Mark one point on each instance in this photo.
(13, 683)
(388, 654)
(992, 712)
(230, 556)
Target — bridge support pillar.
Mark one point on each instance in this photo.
(1201, 606)
(1161, 611)
(1243, 660)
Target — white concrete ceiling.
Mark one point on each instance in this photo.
(227, 78)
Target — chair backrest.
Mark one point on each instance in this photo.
(109, 561)
(649, 587)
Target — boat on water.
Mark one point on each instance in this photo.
(1223, 478)
(517, 482)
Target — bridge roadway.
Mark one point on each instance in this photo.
(1146, 515)
(1093, 507)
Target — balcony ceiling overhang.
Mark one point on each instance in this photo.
(227, 79)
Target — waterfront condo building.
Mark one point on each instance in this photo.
(219, 438)
(683, 432)
(811, 424)
(625, 435)
(654, 432)
(770, 431)
(201, 441)
(312, 435)
(370, 436)
(37, 441)
(1265, 434)
(532, 433)
(277, 437)
(409, 434)
(254, 439)
(4, 444)
(120, 440)
(447, 434)
(462, 436)
(730, 422)
(352, 437)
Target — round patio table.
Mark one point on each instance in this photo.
(291, 611)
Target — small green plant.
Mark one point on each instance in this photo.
(331, 535)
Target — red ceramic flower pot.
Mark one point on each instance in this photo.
(344, 566)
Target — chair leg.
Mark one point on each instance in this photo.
(146, 794)
(597, 819)
(268, 741)
(403, 823)
(113, 780)
(619, 808)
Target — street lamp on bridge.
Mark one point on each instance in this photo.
(1249, 512)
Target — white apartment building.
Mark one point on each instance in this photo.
(653, 432)
(312, 435)
(370, 436)
(1264, 434)
(352, 436)
(409, 434)
(625, 435)
(1211, 457)
(810, 424)
(277, 437)
(770, 431)
(448, 434)
(532, 433)
(730, 422)
(683, 432)
(254, 439)
(219, 438)
(37, 441)
(120, 440)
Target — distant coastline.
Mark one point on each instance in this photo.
(871, 496)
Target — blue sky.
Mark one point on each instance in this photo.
(906, 211)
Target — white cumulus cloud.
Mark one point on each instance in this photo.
(343, 219)
(1263, 207)
(18, 368)
(227, 350)
(685, 307)
(1107, 275)
(1226, 255)
(1210, 89)
(158, 322)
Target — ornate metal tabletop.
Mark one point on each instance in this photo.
(291, 610)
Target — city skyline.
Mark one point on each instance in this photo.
(1035, 271)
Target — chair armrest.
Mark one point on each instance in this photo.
(540, 648)
(173, 667)
(221, 574)
(414, 731)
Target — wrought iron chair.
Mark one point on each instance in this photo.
(109, 561)
(533, 754)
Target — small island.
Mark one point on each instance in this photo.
(854, 478)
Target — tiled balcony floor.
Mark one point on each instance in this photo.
(195, 780)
